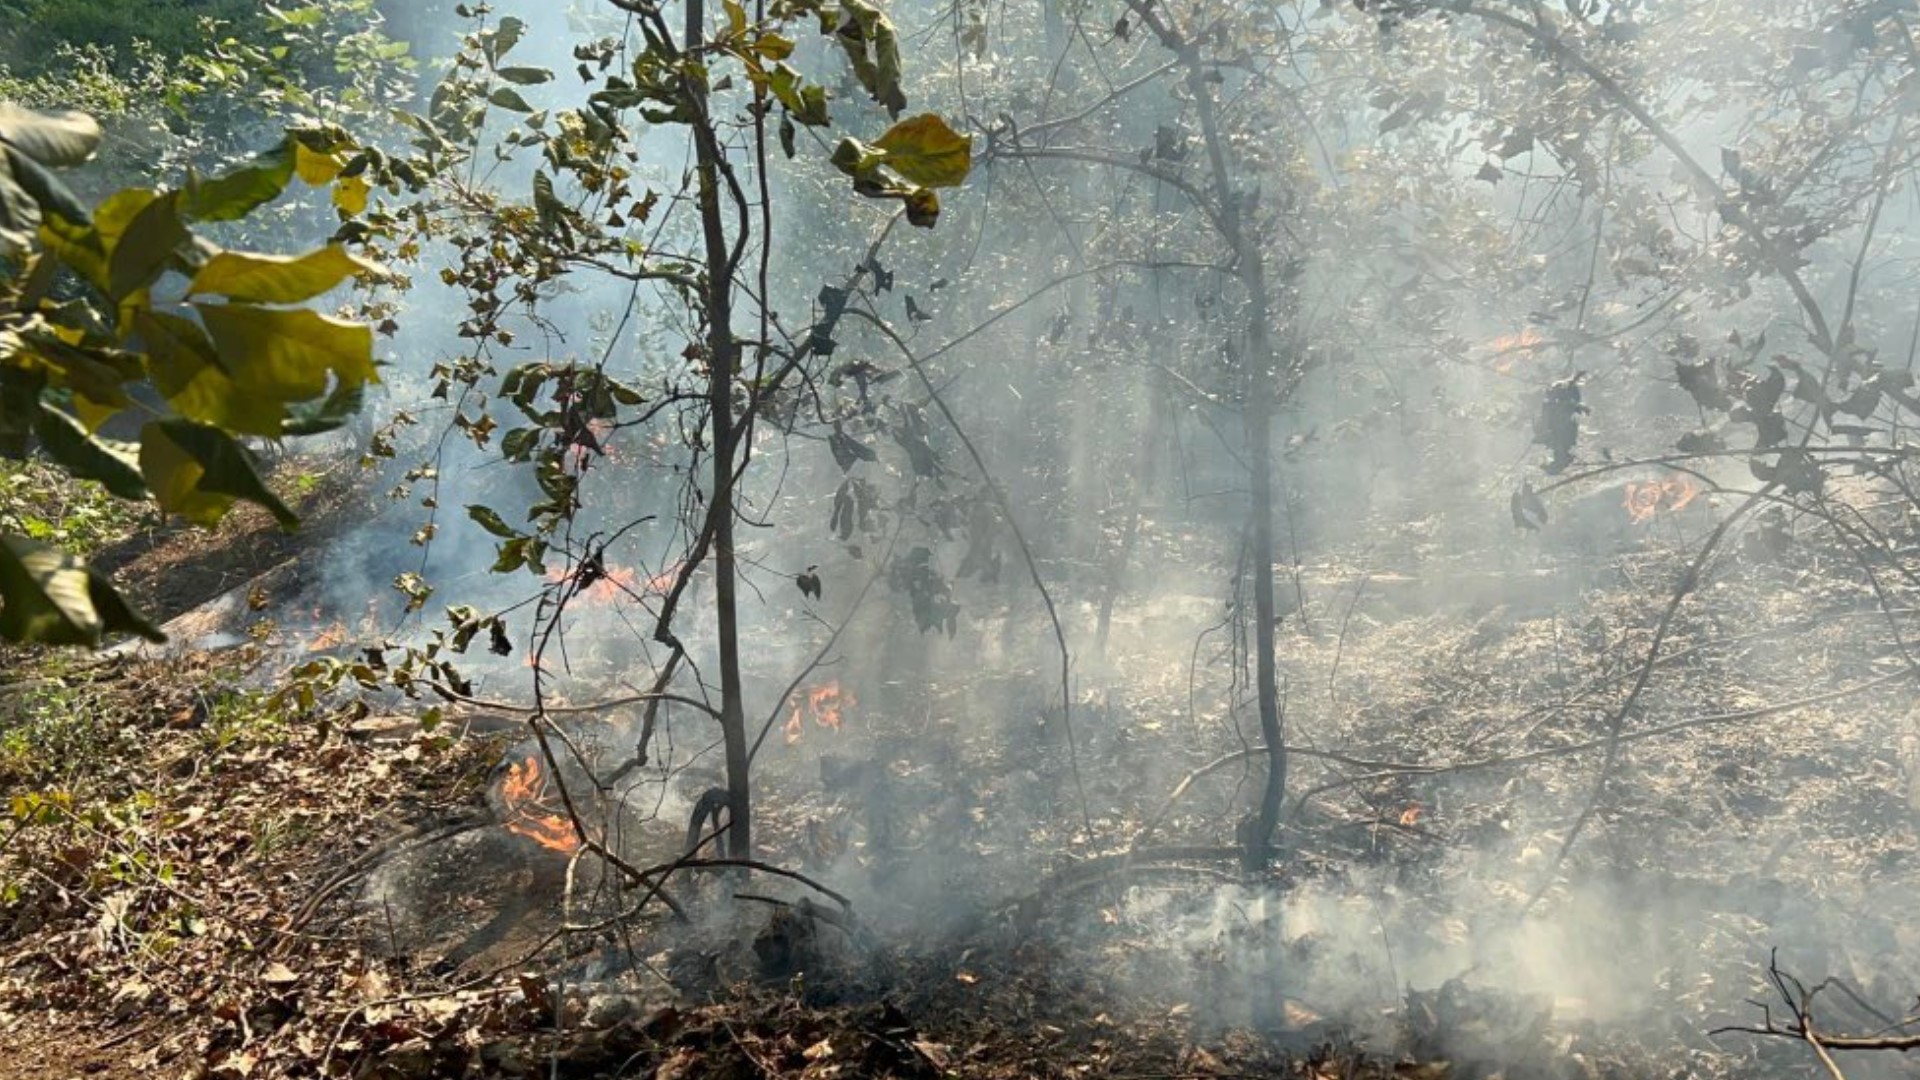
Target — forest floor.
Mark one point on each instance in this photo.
(192, 884)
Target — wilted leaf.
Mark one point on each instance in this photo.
(139, 254)
(525, 76)
(925, 151)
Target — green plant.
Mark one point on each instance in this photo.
(50, 506)
(221, 338)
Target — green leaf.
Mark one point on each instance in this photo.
(287, 356)
(113, 464)
(96, 374)
(198, 472)
(52, 598)
(277, 279)
(57, 139)
(46, 190)
(137, 256)
(501, 40)
(508, 98)
(925, 151)
(234, 195)
(491, 521)
(525, 76)
(187, 373)
(804, 102)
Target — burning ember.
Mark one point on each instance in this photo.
(524, 792)
(1645, 501)
(823, 703)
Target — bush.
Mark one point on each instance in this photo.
(173, 27)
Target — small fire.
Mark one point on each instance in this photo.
(823, 703)
(610, 585)
(524, 791)
(331, 636)
(1510, 348)
(1645, 501)
(616, 581)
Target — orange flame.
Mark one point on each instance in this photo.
(524, 791)
(331, 636)
(823, 703)
(1645, 501)
(1510, 348)
(615, 582)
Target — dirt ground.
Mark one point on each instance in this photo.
(213, 886)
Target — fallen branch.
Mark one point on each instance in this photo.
(1798, 999)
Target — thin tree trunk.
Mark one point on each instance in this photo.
(1250, 268)
(723, 354)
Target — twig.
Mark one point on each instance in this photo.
(1617, 719)
(1020, 538)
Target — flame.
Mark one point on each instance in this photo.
(331, 636)
(1509, 348)
(523, 791)
(1645, 501)
(823, 703)
(613, 583)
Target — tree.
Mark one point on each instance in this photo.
(722, 381)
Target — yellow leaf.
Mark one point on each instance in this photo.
(925, 151)
(277, 279)
(350, 195)
(315, 168)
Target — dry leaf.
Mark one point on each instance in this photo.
(818, 1051)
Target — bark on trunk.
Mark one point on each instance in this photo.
(723, 354)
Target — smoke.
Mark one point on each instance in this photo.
(1082, 332)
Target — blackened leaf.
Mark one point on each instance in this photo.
(848, 450)
(1701, 441)
(498, 643)
(833, 301)
(809, 583)
(1529, 512)
(1702, 382)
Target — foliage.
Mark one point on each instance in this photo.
(42, 502)
(216, 336)
(174, 29)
